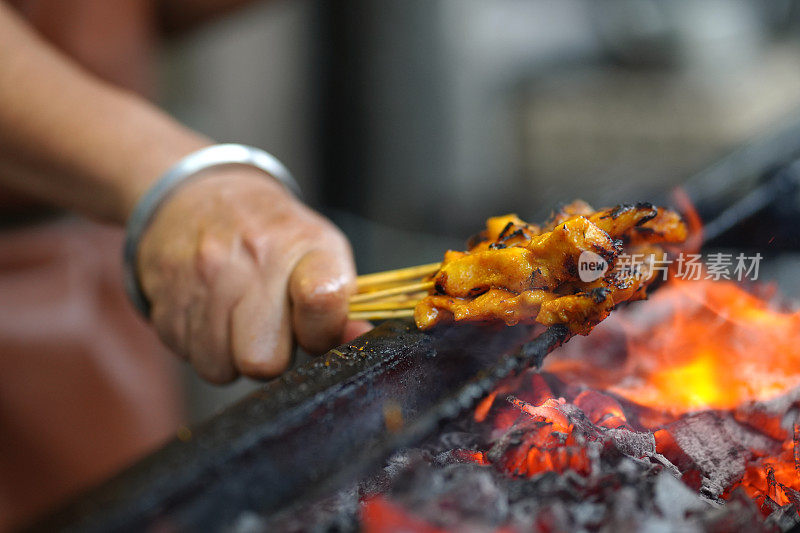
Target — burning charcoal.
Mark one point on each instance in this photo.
(720, 458)
(675, 500)
(532, 502)
(588, 514)
(513, 437)
(452, 495)
(459, 456)
(580, 421)
(554, 517)
(792, 495)
(455, 440)
(768, 506)
(638, 447)
(784, 518)
(631, 443)
(601, 409)
(624, 509)
(381, 515)
(396, 464)
(338, 512)
(749, 439)
(524, 480)
(738, 514)
(773, 417)
(671, 450)
(796, 446)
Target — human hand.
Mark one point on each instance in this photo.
(236, 269)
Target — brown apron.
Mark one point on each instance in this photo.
(85, 387)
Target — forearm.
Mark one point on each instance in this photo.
(72, 140)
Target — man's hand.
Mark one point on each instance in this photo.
(232, 264)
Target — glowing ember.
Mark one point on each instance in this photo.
(380, 515)
(696, 370)
(702, 345)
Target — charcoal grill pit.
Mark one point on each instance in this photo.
(310, 431)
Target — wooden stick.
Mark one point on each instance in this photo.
(402, 274)
(384, 306)
(405, 297)
(400, 289)
(380, 315)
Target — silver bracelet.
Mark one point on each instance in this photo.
(212, 156)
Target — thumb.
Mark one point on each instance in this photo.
(319, 289)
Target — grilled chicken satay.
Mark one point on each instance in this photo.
(585, 309)
(666, 226)
(566, 212)
(495, 305)
(618, 221)
(543, 262)
(515, 272)
(502, 232)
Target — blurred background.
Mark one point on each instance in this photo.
(408, 122)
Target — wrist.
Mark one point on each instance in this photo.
(194, 166)
(148, 147)
(222, 180)
(153, 169)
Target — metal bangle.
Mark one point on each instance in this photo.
(145, 210)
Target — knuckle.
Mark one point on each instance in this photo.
(259, 245)
(325, 235)
(286, 239)
(212, 257)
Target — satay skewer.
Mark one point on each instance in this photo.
(391, 294)
(368, 281)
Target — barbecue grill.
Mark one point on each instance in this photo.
(339, 417)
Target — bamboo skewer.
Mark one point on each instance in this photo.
(391, 294)
(380, 315)
(387, 306)
(392, 291)
(391, 276)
